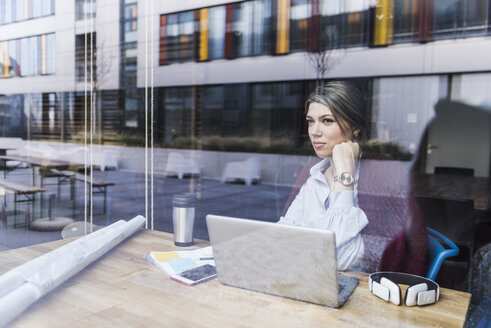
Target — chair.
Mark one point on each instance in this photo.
(454, 171)
(437, 252)
(248, 170)
(455, 219)
(179, 165)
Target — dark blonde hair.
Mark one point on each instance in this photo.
(346, 104)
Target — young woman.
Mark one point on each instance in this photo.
(362, 198)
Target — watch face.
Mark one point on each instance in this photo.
(347, 179)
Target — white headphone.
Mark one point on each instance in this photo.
(421, 291)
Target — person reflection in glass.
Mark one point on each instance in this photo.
(347, 192)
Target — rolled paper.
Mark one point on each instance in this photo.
(25, 284)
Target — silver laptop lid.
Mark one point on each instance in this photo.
(283, 260)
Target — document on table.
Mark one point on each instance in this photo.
(178, 261)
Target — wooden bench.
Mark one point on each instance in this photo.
(99, 184)
(27, 194)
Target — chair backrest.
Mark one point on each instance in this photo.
(437, 252)
(454, 170)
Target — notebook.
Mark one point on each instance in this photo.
(283, 260)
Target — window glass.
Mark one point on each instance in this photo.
(399, 118)
(226, 111)
(356, 28)
(172, 38)
(8, 11)
(36, 8)
(476, 17)
(2, 12)
(35, 55)
(332, 25)
(406, 21)
(178, 110)
(300, 12)
(262, 27)
(19, 10)
(24, 57)
(50, 54)
(242, 29)
(276, 112)
(13, 60)
(217, 32)
(12, 119)
(46, 8)
(80, 56)
(83, 11)
(3, 56)
(186, 35)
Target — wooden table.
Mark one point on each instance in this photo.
(122, 290)
(454, 186)
(45, 163)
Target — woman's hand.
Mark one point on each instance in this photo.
(344, 157)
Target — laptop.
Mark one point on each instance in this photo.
(283, 260)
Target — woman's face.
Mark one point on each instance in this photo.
(324, 130)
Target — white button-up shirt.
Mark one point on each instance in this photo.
(316, 206)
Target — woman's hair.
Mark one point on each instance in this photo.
(346, 104)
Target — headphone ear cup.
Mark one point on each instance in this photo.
(412, 293)
(394, 290)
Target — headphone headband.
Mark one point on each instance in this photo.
(421, 291)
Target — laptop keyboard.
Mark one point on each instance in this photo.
(346, 285)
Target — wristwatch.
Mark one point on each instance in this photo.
(345, 178)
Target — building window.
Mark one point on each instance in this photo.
(85, 9)
(24, 57)
(406, 21)
(186, 31)
(14, 54)
(332, 29)
(50, 54)
(177, 37)
(275, 111)
(241, 29)
(178, 109)
(169, 39)
(300, 11)
(80, 56)
(4, 59)
(453, 18)
(130, 27)
(34, 55)
(216, 40)
(226, 111)
(18, 10)
(262, 27)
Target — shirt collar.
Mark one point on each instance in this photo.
(317, 171)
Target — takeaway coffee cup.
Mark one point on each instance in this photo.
(183, 218)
